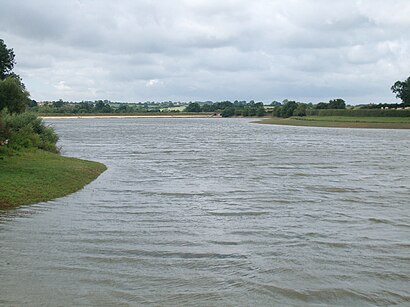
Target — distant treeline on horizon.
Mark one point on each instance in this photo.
(226, 108)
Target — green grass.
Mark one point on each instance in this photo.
(35, 176)
(342, 122)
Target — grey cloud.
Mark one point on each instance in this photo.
(263, 50)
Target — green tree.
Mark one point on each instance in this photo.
(402, 91)
(208, 108)
(275, 103)
(251, 111)
(337, 104)
(193, 107)
(102, 107)
(6, 60)
(260, 111)
(300, 110)
(58, 104)
(322, 106)
(228, 112)
(288, 109)
(223, 105)
(13, 95)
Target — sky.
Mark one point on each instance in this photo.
(198, 50)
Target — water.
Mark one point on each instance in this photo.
(210, 212)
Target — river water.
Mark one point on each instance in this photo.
(217, 212)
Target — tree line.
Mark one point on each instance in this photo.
(99, 106)
(293, 108)
(228, 108)
(225, 108)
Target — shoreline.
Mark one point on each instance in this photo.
(125, 116)
(348, 122)
(325, 122)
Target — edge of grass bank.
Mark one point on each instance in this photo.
(35, 176)
(342, 122)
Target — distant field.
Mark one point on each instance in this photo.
(342, 122)
(180, 109)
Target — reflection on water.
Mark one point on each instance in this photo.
(217, 212)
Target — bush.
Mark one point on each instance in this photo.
(26, 130)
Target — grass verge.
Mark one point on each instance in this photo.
(342, 122)
(34, 176)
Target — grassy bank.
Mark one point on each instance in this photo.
(342, 122)
(34, 176)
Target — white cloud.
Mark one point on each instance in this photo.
(61, 86)
(152, 82)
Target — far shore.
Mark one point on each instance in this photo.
(128, 116)
(309, 121)
(342, 122)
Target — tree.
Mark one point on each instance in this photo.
(322, 106)
(251, 110)
(288, 109)
(13, 95)
(208, 108)
(300, 110)
(228, 112)
(102, 107)
(402, 91)
(58, 104)
(6, 60)
(337, 104)
(275, 103)
(223, 105)
(260, 111)
(193, 107)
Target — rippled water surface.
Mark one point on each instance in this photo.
(217, 212)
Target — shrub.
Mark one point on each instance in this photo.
(26, 130)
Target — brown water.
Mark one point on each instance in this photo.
(210, 212)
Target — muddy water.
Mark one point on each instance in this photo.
(217, 212)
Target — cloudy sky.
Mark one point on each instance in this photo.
(186, 50)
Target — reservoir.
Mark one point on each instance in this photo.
(217, 212)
